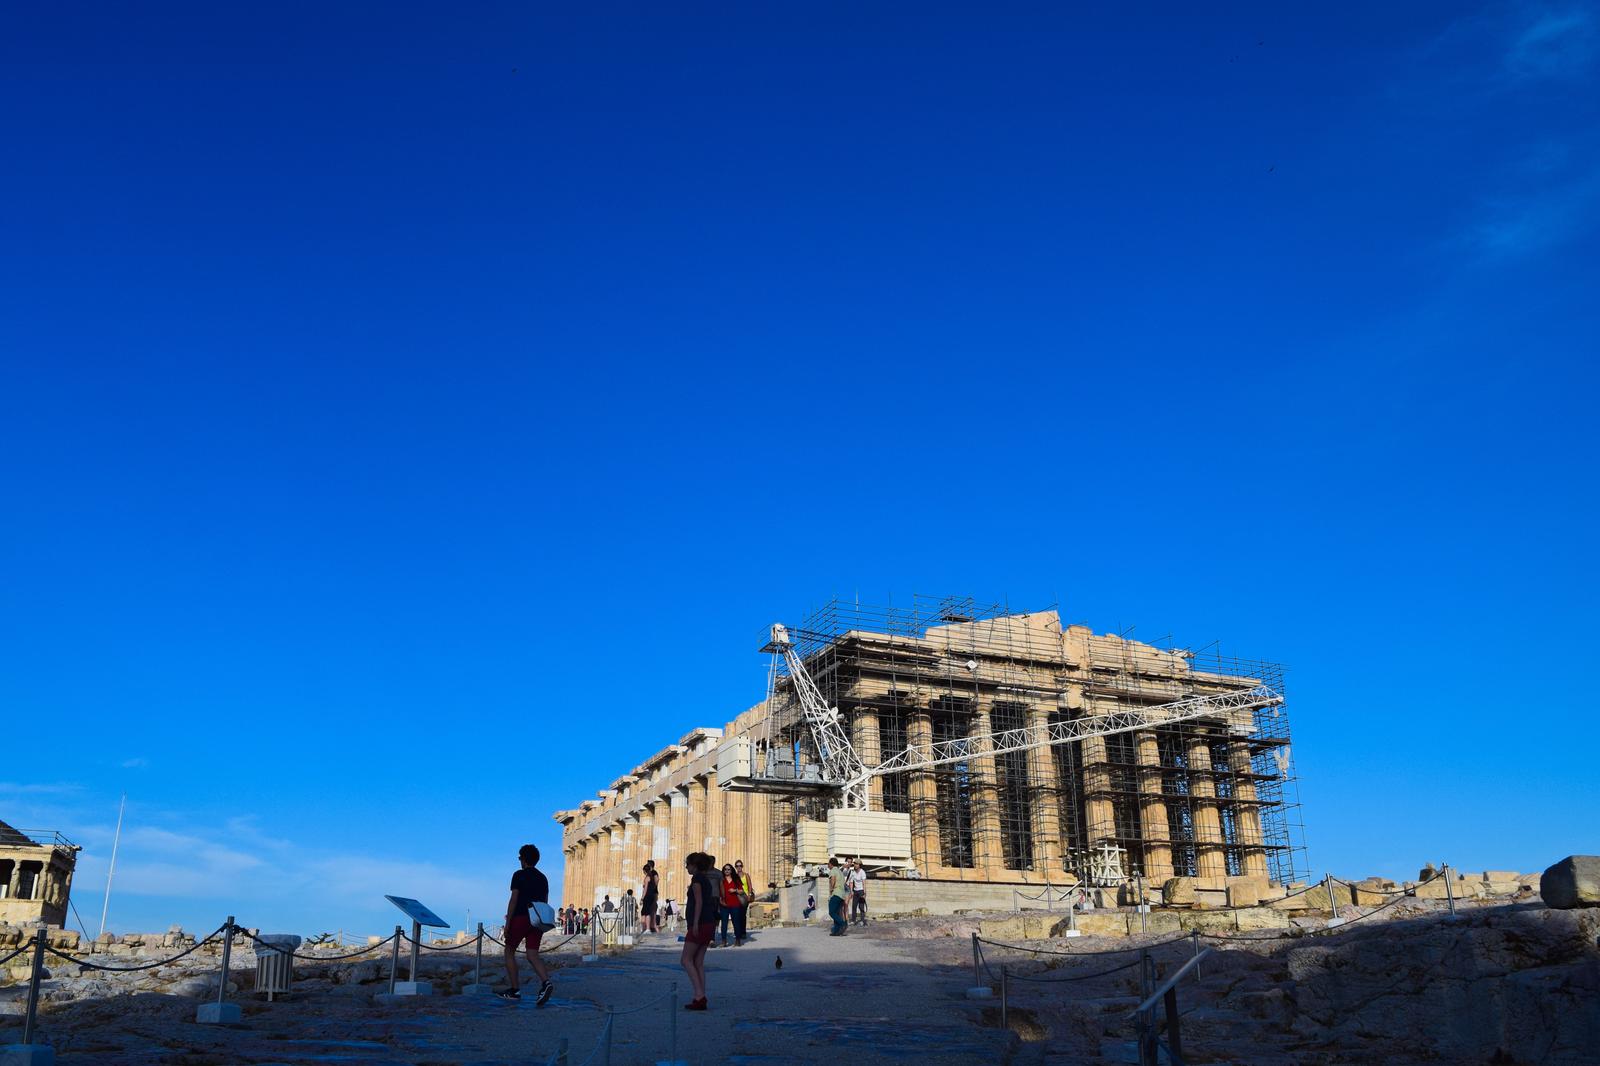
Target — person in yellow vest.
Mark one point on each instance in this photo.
(747, 895)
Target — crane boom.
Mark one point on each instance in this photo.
(963, 749)
(839, 759)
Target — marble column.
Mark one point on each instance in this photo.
(1100, 823)
(1253, 857)
(1044, 811)
(924, 795)
(1153, 811)
(864, 737)
(716, 806)
(679, 801)
(695, 841)
(646, 840)
(987, 851)
(1210, 859)
(631, 877)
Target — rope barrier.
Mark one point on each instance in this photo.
(131, 969)
(1307, 933)
(640, 1007)
(1397, 892)
(26, 945)
(1074, 954)
(318, 958)
(1075, 977)
(438, 947)
(1066, 894)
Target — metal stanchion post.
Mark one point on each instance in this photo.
(1005, 1018)
(227, 957)
(672, 1029)
(221, 1012)
(1333, 903)
(1144, 925)
(594, 944)
(979, 990)
(1449, 889)
(1194, 938)
(31, 1018)
(394, 960)
(477, 986)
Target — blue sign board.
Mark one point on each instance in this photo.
(417, 912)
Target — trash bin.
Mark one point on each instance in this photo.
(274, 964)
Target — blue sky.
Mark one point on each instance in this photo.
(412, 416)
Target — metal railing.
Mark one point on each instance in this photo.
(1144, 1015)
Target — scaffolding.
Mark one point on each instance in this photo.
(1209, 797)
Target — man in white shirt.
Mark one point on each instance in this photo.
(858, 892)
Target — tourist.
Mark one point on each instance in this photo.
(747, 894)
(838, 892)
(607, 906)
(728, 893)
(858, 891)
(700, 910)
(630, 914)
(652, 895)
(529, 888)
(671, 912)
(811, 906)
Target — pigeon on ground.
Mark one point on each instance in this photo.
(777, 962)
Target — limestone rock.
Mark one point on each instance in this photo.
(1179, 892)
(1572, 882)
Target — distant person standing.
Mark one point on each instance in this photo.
(671, 913)
(630, 914)
(727, 901)
(528, 886)
(607, 906)
(838, 892)
(858, 891)
(652, 897)
(747, 895)
(700, 910)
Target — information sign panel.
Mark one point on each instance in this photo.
(417, 912)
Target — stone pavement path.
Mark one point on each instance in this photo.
(859, 995)
(866, 997)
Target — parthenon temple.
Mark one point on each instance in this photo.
(1015, 750)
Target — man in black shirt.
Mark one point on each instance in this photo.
(528, 886)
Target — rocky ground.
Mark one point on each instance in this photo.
(1508, 982)
(1503, 983)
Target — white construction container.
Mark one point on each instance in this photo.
(879, 838)
(811, 843)
(733, 759)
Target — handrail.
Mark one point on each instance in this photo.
(1163, 987)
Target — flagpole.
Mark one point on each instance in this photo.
(106, 907)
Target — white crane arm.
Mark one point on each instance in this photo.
(963, 749)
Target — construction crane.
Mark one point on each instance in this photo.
(843, 769)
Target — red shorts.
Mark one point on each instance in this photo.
(701, 934)
(522, 929)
